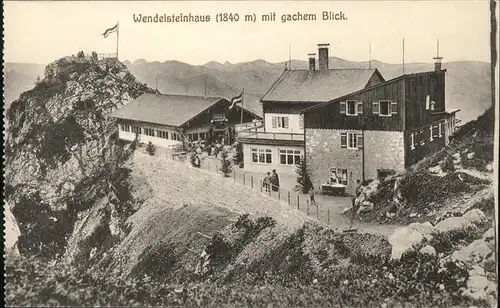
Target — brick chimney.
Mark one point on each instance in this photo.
(312, 62)
(323, 56)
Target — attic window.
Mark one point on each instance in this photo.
(385, 108)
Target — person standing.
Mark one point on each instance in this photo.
(275, 181)
(266, 182)
(311, 195)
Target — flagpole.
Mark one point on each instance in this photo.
(117, 38)
(242, 100)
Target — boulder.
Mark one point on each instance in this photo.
(407, 238)
(472, 218)
(474, 253)
(428, 250)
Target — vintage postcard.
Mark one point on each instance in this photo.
(250, 153)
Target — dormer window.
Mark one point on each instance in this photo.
(351, 108)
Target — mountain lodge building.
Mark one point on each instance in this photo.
(164, 119)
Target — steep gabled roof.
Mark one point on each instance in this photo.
(165, 109)
(320, 86)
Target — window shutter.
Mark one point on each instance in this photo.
(342, 107)
(360, 107)
(360, 141)
(427, 102)
(375, 108)
(286, 122)
(394, 109)
(274, 122)
(343, 140)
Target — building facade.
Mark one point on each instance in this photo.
(279, 143)
(377, 131)
(170, 120)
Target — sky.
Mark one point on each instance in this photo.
(41, 32)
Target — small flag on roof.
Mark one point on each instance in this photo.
(235, 100)
(110, 30)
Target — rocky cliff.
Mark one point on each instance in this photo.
(60, 149)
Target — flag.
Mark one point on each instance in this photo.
(235, 100)
(110, 30)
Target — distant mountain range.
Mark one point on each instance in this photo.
(467, 83)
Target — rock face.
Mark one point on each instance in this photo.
(59, 145)
(12, 233)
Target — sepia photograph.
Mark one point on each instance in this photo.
(250, 153)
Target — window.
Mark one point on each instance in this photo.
(280, 122)
(261, 156)
(162, 134)
(435, 131)
(412, 141)
(125, 127)
(174, 136)
(136, 129)
(338, 176)
(422, 137)
(433, 106)
(149, 132)
(289, 157)
(194, 137)
(431, 136)
(202, 136)
(301, 121)
(441, 129)
(427, 102)
(351, 107)
(385, 108)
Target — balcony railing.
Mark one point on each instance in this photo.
(271, 136)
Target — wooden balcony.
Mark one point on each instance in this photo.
(260, 134)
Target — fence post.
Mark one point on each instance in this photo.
(317, 211)
(234, 176)
(298, 202)
(251, 177)
(216, 169)
(307, 202)
(328, 216)
(209, 166)
(288, 197)
(261, 184)
(279, 193)
(244, 179)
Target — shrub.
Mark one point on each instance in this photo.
(447, 164)
(81, 54)
(226, 165)
(194, 159)
(303, 176)
(151, 149)
(238, 157)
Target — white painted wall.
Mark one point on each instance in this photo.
(275, 161)
(293, 123)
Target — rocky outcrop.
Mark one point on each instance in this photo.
(407, 238)
(12, 233)
(60, 152)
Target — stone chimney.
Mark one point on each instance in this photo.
(312, 62)
(323, 56)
